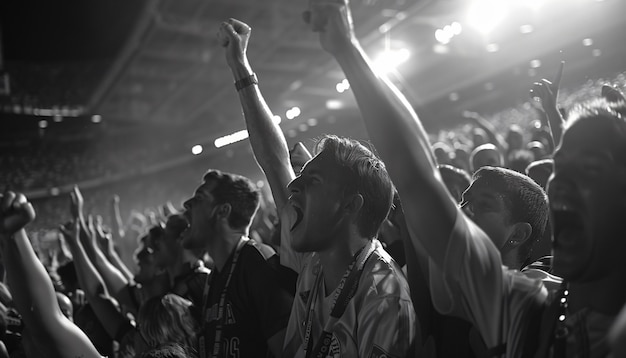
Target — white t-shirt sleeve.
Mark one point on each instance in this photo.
(470, 282)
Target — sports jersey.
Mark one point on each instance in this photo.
(190, 283)
(256, 306)
(379, 320)
(472, 283)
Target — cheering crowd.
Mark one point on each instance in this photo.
(486, 246)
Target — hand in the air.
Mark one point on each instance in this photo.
(233, 35)
(333, 21)
(15, 212)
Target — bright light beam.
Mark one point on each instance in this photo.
(485, 15)
(389, 60)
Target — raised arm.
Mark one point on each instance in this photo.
(31, 287)
(116, 283)
(394, 129)
(494, 137)
(90, 281)
(117, 228)
(464, 253)
(107, 246)
(547, 92)
(268, 141)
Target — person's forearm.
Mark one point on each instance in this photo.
(403, 144)
(116, 261)
(118, 226)
(33, 293)
(88, 277)
(555, 123)
(266, 138)
(114, 280)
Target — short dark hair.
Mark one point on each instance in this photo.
(453, 176)
(238, 191)
(367, 175)
(609, 113)
(526, 201)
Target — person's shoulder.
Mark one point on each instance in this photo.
(382, 276)
(257, 250)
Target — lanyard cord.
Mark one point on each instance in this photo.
(217, 342)
(344, 293)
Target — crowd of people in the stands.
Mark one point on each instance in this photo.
(489, 240)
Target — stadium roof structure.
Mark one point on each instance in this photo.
(157, 63)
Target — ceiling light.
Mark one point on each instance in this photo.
(231, 138)
(389, 60)
(334, 104)
(492, 48)
(196, 149)
(485, 15)
(526, 29)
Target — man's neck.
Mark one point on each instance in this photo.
(606, 296)
(223, 247)
(336, 260)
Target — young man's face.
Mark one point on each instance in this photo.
(166, 247)
(200, 213)
(586, 193)
(489, 210)
(316, 204)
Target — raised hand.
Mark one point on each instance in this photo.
(104, 239)
(332, 19)
(548, 91)
(233, 35)
(15, 212)
(70, 231)
(76, 203)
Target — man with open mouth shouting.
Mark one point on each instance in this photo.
(352, 299)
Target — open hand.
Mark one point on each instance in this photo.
(15, 212)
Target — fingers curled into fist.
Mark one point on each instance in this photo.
(15, 212)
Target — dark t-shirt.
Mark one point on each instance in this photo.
(257, 305)
(190, 284)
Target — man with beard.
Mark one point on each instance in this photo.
(245, 309)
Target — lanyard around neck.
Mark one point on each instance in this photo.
(344, 293)
(217, 342)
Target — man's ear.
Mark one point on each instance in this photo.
(521, 232)
(353, 203)
(223, 211)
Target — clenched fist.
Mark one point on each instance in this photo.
(233, 35)
(15, 212)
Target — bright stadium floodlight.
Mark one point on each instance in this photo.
(196, 149)
(485, 15)
(389, 60)
(231, 138)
